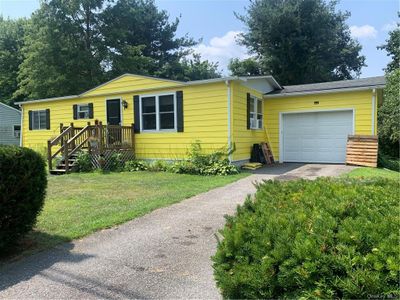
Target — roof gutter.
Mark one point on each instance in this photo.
(341, 90)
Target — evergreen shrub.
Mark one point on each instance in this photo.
(23, 182)
(313, 239)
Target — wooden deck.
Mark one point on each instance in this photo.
(101, 141)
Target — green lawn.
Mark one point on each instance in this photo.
(373, 172)
(79, 204)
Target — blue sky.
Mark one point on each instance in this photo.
(214, 22)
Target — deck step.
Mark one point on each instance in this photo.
(58, 172)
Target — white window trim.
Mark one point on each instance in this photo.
(38, 110)
(158, 113)
(78, 106)
(256, 113)
(13, 127)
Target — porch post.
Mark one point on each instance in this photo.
(133, 137)
(49, 160)
(100, 137)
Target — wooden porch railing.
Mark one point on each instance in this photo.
(105, 137)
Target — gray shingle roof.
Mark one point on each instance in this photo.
(372, 82)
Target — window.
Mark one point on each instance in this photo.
(17, 131)
(158, 113)
(256, 113)
(39, 119)
(83, 111)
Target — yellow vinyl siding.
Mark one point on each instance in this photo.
(361, 102)
(128, 83)
(242, 137)
(205, 119)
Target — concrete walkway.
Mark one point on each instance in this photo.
(165, 254)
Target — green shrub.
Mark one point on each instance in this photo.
(223, 167)
(23, 182)
(159, 166)
(83, 162)
(313, 239)
(215, 163)
(183, 167)
(135, 165)
(115, 163)
(388, 162)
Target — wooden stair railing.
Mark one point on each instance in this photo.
(72, 139)
(69, 143)
(59, 140)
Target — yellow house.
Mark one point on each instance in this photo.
(303, 123)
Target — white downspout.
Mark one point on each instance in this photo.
(373, 111)
(22, 124)
(228, 85)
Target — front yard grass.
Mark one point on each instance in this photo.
(79, 204)
(373, 172)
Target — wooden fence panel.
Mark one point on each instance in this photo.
(362, 150)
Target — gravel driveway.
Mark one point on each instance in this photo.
(165, 254)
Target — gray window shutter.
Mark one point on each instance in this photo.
(179, 110)
(248, 110)
(47, 118)
(90, 110)
(75, 109)
(136, 113)
(30, 119)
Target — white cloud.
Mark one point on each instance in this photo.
(389, 26)
(364, 31)
(222, 49)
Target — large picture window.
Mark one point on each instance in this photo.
(158, 112)
(39, 119)
(256, 113)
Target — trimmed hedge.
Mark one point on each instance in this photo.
(314, 239)
(23, 182)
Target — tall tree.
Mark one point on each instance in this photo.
(62, 52)
(389, 111)
(11, 43)
(137, 31)
(389, 115)
(193, 68)
(245, 67)
(301, 41)
(392, 47)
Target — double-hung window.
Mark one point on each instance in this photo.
(158, 112)
(17, 131)
(83, 111)
(39, 119)
(256, 113)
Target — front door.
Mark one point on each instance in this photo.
(114, 112)
(113, 119)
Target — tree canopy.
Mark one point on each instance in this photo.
(392, 47)
(301, 41)
(389, 111)
(246, 67)
(67, 47)
(11, 43)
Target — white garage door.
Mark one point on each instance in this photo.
(316, 137)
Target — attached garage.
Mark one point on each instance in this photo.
(318, 137)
